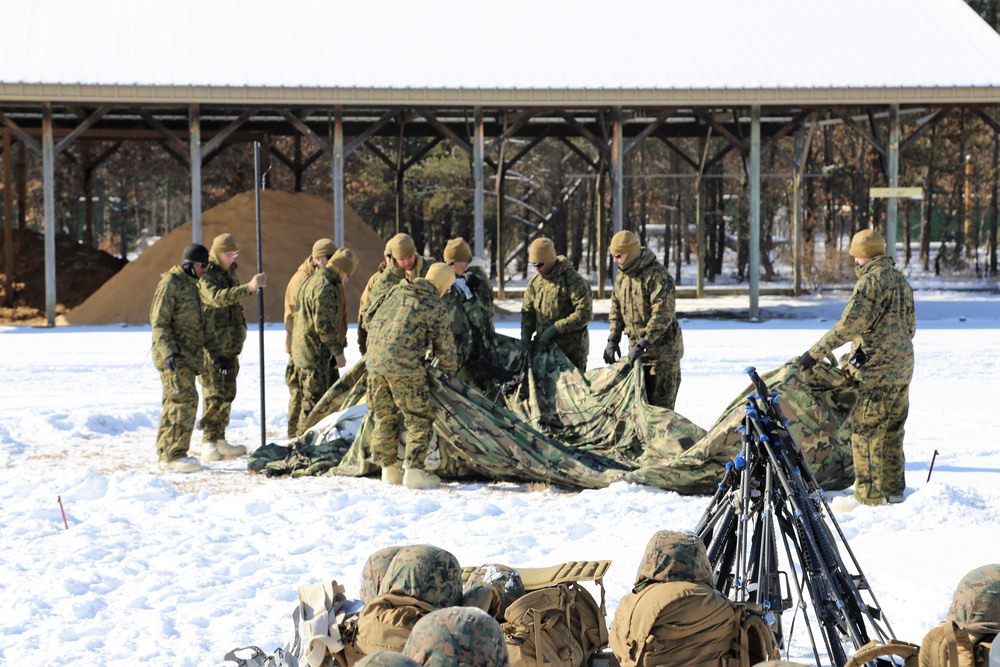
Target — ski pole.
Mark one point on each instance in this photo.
(258, 186)
(931, 468)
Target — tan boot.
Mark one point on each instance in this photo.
(228, 450)
(415, 478)
(184, 464)
(392, 475)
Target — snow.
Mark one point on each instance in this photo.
(174, 569)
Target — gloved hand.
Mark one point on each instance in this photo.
(612, 353)
(340, 360)
(172, 360)
(257, 282)
(547, 335)
(638, 350)
(807, 361)
(526, 337)
(223, 365)
(473, 281)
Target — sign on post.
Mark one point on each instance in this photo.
(911, 193)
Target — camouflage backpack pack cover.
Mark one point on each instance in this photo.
(418, 579)
(675, 616)
(966, 636)
(557, 622)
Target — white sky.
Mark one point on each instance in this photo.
(177, 570)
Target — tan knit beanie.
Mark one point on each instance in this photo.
(867, 243)
(344, 260)
(388, 249)
(224, 243)
(541, 251)
(442, 275)
(323, 248)
(457, 250)
(624, 243)
(403, 246)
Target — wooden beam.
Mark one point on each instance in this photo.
(215, 142)
(362, 139)
(172, 139)
(988, 119)
(583, 156)
(840, 113)
(300, 125)
(648, 130)
(680, 152)
(82, 127)
(519, 122)
(600, 144)
(422, 152)
(462, 144)
(935, 118)
(26, 139)
(721, 129)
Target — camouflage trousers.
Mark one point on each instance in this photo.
(296, 414)
(877, 422)
(180, 407)
(662, 380)
(218, 393)
(388, 396)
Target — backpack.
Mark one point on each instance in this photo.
(950, 645)
(688, 624)
(876, 649)
(557, 622)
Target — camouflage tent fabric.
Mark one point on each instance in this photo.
(545, 421)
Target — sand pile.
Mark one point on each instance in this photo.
(80, 270)
(290, 224)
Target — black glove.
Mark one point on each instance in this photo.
(222, 364)
(612, 353)
(172, 360)
(473, 281)
(548, 335)
(526, 337)
(638, 350)
(807, 361)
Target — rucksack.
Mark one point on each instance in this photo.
(875, 649)
(688, 624)
(557, 622)
(949, 645)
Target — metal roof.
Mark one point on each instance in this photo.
(519, 52)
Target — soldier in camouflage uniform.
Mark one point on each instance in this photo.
(470, 300)
(673, 556)
(221, 293)
(181, 332)
(643, 306)
(879, 322)
(319, 333)
(408, 326)
(558, 304)
(503, 584)
(457, 636)
(322, 251)
(402, 262)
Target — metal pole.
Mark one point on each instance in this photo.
(258, 186)
(892, 204)
(478, 194)
(49, 202)
(195, 162)
(338, 176)
(754, 212)
(8, 218)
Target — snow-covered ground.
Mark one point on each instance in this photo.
(177, 570)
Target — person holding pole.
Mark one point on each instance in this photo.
(221, 293)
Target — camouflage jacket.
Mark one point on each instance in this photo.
(179, 323)
(879, 318)
(407, 324)
(315, 339)
(562, 298)
(643, 306)
(472, 314)
(380, 283)
(305, 270)
(221, 293)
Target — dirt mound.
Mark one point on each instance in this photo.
(80, 270)
(290, 224)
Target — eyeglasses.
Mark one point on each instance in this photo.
(451, 263)
(201, 265)
(233, 255)
(616, 256)
(538, 265)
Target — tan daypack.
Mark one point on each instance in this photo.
(557, 623)
(688, 624)
(949, 645)
(385, 623)
(875, 649)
